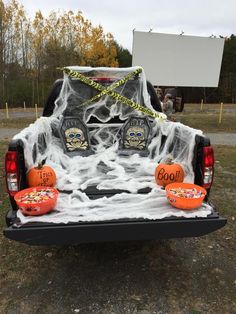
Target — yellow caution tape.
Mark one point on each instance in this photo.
(108, 91)
(113, 86)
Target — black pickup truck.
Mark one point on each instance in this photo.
(119, 229)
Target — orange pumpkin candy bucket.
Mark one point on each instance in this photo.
(37, 200)
(185, 196)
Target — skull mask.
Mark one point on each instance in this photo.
(75, 139)
(135, 137)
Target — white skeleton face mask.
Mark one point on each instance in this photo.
(75, 139)
(135, 137)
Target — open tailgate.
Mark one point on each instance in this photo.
(119, 230)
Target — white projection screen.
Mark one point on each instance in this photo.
(178, 60)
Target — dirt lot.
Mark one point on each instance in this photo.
(194, 276)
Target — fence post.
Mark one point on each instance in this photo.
(201, 104)
(24, 106)
(221, 112)
(7, 112)
(36, 111)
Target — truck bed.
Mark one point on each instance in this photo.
(39, 233)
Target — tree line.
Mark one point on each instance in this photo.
(31, 50)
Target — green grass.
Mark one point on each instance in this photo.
(226, 155)
(223, 191)
(208, 122)
(208, 119)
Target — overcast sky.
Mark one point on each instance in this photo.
(120, 17)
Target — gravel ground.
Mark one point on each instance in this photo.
(184, 276)
(222, 138)
(7, 134)
(17, 114)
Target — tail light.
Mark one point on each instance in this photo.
(12, 172)
(208, 166)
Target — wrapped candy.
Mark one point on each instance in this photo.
(186, 193)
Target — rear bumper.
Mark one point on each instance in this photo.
(65, 234)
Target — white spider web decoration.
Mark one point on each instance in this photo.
(106, 169)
